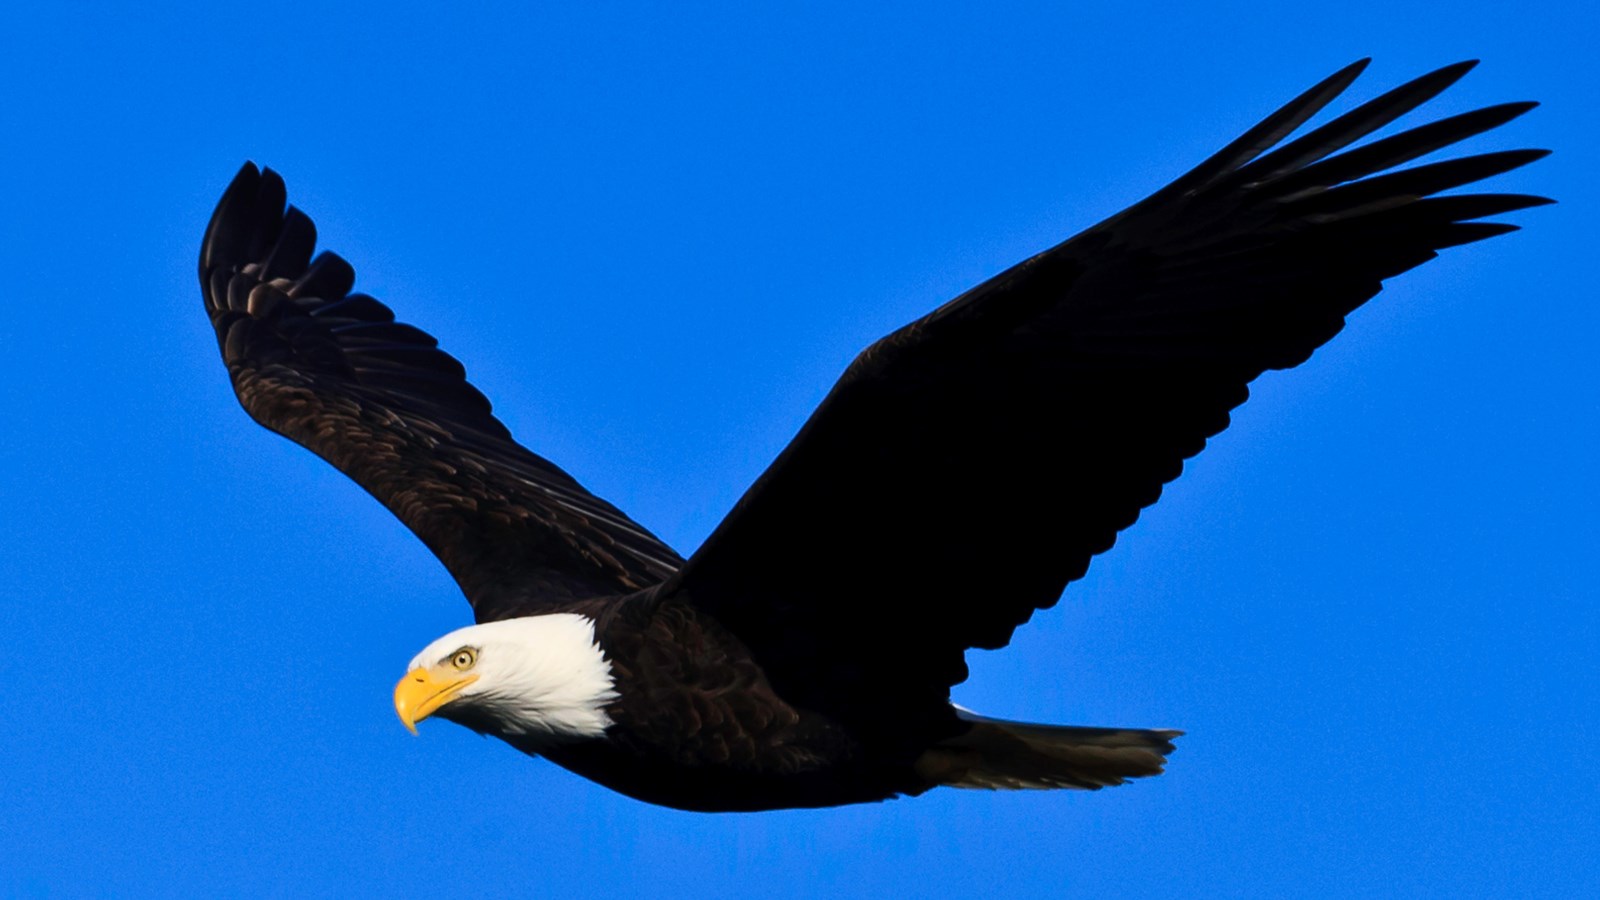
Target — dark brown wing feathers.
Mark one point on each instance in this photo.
(379, 400)
(968, 466)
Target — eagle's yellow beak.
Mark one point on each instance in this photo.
(421, 693)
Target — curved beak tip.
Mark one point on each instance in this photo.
(421, 692)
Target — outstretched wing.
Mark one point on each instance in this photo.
(968, 466)
(334, 372)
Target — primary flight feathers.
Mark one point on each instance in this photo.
(960, 474)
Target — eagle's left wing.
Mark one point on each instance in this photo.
(968, 466)
(334, 372)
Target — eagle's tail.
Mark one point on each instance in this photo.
(1001, 755)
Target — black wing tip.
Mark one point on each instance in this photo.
(1516, 159)
(1455, 70)
(1335, 84)
(1460, 233)
(1487, 165)
(1432, 84)
(270, 177)
(239, 190)
(1350, 72)
(253, 202)
(252, 172)
(1513, 109)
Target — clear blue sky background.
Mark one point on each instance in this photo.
(656, 233)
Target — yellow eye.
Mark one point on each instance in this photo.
(464, 658)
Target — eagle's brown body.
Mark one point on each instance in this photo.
(700, 727)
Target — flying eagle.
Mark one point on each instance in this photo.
(959, 475)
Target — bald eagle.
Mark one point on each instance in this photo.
(963, 470)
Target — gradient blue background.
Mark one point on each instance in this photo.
(656, 233)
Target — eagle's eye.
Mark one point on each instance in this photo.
(464, 658)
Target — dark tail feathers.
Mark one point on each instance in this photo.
(1001, 755)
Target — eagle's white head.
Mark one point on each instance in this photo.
(536, 680)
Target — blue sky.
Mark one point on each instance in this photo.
(655, 234)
